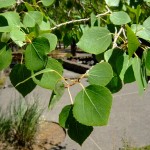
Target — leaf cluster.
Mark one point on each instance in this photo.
(116, 32)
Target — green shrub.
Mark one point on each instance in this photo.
(19, 123)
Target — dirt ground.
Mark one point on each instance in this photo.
(48, 136)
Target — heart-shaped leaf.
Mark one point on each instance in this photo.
(95, 40)
(100, 74)
(76, 131)
(119, 18)
(36, 54)
(92, 106)
(18, 74)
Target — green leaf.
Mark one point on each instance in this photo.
(3, 21)
(13, 19)
(100, 74)
(47, 2)
(29, 6)
(18, 36)
(32, 17)
(122, 64)
(146, 23)
(45, 26)
(5, 37)
(4, 24)
(5, 56)
(50, 78)
(136, 64)
(52, 38)
(133, 42)
(92, 106)
(147, 63)
(95, 40)
(112, 3)
(76, 131)
(129, 75)
(120, 18)
(18, 74)
(5, 29)
(141, 31)
(111, 55)
(93, 19)
(6, 3)
(36, 54)
(115, 85)
(64, 115)
(56, 94)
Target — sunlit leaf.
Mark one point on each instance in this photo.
(5, 56)
(36, 54)
(146, 23)
(7, 3)
(18, 37)
(95, 40)
(13, 18)
(92, 106)
(32, 17)
(50, 78)
(112, 2)
(100, 74)
(52, 38)
(119, 18)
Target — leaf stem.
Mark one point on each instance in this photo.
(71, 99)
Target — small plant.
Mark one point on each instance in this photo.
(19, 125)
(128, 146)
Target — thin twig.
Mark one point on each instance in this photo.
(71, 99)
(116, 36)
(80, 20)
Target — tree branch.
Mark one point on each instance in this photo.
(80, 20)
